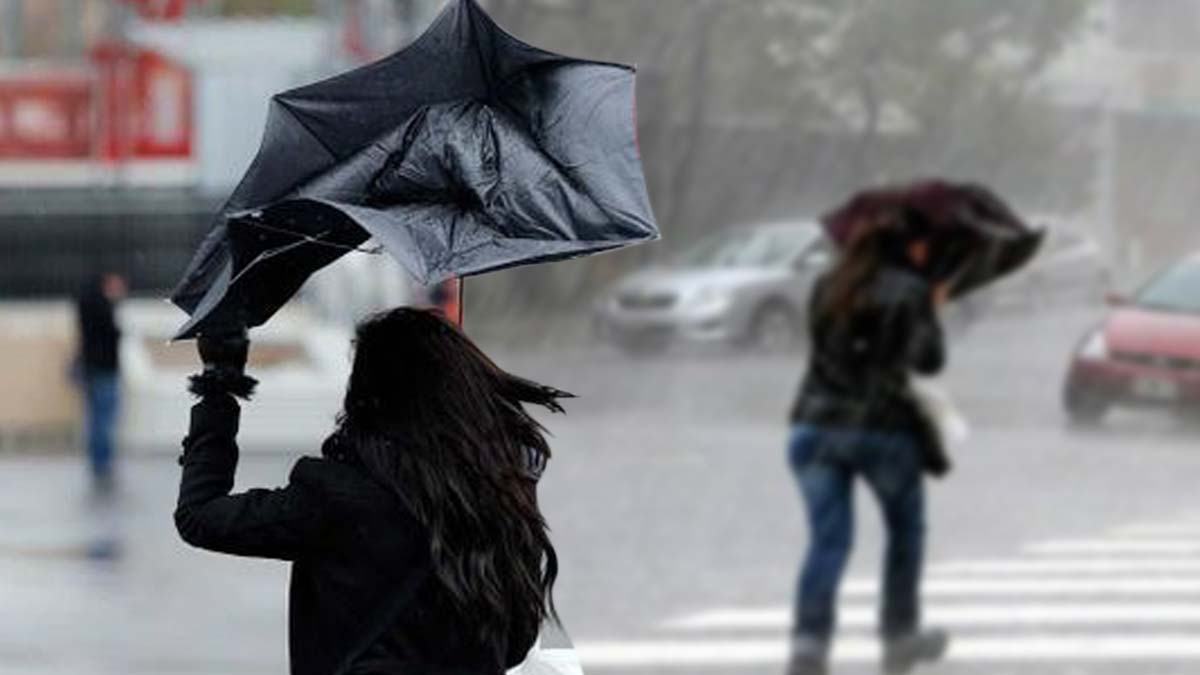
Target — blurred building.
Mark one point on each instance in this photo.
(1139, 69)
(124, 123)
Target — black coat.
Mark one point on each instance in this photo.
(99, 336)
(354, 547)
(858, 375)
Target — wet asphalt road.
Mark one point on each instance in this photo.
(1051, 550)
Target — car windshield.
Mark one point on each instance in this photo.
(1176, 290)
(762, 247)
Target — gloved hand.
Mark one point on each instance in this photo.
(227, 352)
(224, 357)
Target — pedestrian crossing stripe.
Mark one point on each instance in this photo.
(957, 615)
(1117, 545)
(1075, 566)
(1158, 530)
(1094, 648)
(1131, 597)
(1007, 586)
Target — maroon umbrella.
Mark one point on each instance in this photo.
(977, 237)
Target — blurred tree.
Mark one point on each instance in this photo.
(267, 7)
(959, 79)
(757, 109)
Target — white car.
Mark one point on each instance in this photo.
(747, 286)
(1071, 267)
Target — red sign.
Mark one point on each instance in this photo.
(161, 10)
(146, 108)
(136, 104)
(47, 116)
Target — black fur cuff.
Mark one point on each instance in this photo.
(216, 382)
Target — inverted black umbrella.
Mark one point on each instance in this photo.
(977, 237)
(467, 152)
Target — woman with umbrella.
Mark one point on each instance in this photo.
(874, 322)
(417, 542)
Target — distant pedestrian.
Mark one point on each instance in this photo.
(99, 369)
(873, 323)
(417, 540)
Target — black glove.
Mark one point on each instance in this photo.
(938, 465)
(226, 352)
(224, 357)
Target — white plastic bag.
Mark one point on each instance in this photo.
(556, 661)
(933, 397)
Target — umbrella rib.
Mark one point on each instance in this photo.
(305, 239)
(309, 239)
(265, 255)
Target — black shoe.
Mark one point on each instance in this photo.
(810, 656)
(807, 665)
(901, 655)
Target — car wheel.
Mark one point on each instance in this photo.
(1084, 408)
(775, 329)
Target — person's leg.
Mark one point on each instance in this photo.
(894, 474)
(828, 497)
(102, 414)
(94, 433)
(893, 470)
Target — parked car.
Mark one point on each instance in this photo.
(746, 286)
(1071, 267)
(1146, 352)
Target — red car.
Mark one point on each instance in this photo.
(1146, 353)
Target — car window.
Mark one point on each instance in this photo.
(820, 253)
(1176, 290)
(762, 247)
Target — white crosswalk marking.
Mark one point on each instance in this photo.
(1070, 566)
(991, 587)
(1159, 530)
(1077, 614)
(1130, 597)
(1103, 648)
(1115, 545)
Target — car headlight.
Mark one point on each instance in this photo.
(710, 298)
(1095, 347)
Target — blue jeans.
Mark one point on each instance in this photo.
(825, 462)
(103, 403)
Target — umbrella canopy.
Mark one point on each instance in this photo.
(977, 238)
(467, 152)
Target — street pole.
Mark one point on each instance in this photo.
(1109, 147)
(1107, 197)
(11, 24)
(70, 40)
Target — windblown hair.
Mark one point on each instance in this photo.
(428, 414)
(878, 241)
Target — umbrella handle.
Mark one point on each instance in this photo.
(461, 304)
(448, 299)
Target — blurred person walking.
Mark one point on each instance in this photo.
(98, 368)
(873, 322)
(417, 543)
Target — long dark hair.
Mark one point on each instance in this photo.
(879, 240)
(428, 414)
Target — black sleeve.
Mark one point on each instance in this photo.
(816, 298)
(926, 341)
(284, 524)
